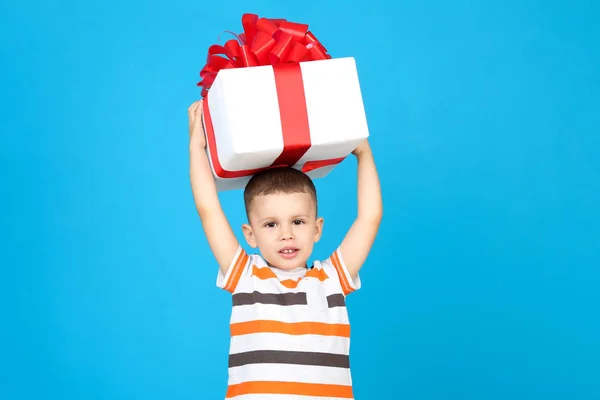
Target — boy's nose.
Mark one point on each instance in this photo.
(286, 235)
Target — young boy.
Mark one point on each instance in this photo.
(290, 334)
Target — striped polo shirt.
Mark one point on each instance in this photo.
(290, 333)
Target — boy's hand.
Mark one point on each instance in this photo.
(197, 137)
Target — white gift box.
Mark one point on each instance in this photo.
(251, 115)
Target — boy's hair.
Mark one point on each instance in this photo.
(284, 180)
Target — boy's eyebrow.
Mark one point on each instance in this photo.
(266, 219)
(270, 218)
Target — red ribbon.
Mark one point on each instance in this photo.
(263, 42)
(283, 45)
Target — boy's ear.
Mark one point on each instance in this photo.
(249, 235)
(318, 229)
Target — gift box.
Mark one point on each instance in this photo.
(294, 107)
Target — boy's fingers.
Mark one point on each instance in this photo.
(195, 109)
(194, 105)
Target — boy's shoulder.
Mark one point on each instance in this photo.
(335, 264)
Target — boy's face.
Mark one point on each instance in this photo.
(284, 227)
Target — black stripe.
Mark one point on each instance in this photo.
(289, 357)
(336, 300)
(282, 299)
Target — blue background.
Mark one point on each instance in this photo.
(485, 122)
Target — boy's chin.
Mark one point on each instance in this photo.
(286, 263)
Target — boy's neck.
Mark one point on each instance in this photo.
(297, 269)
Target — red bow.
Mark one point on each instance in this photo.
(264, 42)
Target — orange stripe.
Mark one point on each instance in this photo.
(295, 328)
(266, 273)
(263, 273)
(313, 273)
(293, 388)
(317, 273)
(234, 269)
(236, 273)
(340, 270)
(240, 270)
(290, 284)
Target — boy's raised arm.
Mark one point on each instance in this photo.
(360, 237)
(221, 238)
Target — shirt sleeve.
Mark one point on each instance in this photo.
(336, 263)
(239, 264)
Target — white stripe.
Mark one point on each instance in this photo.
(282, 397)
(289, 314)
(274, 285)
(290, 373)
(281, 341)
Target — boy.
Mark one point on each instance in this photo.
(290, 334)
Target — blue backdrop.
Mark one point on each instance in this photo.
(483, 283)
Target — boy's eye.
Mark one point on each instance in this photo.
(298, 222)
(270, 224)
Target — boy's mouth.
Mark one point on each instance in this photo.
(288, 252)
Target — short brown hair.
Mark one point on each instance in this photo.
(278, 180)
